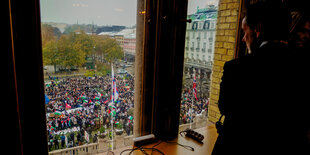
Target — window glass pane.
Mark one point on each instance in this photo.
(197, 70)
(88, 54)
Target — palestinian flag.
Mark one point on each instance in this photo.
(57, 112)
(68, 106)
(112, 107)
(99, 94)
(111, 112)
(97, 103)
(130, 118)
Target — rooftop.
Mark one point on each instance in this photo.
(208, 13)
(126, 33)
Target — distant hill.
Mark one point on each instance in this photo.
(93, 28)
(79, 27)
(60, 26)
(89, 28)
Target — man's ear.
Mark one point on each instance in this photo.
(258, 29)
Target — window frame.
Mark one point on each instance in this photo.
(24, 53)
(162, 40)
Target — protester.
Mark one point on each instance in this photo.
(63, 138)
(56, 143)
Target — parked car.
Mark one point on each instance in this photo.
(122, 71)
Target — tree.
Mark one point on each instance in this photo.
(49, 33)
(107, 48)
(71, 53)
(103, 69)
(50, 54)
(72, 50)
(111, 50)
(72, 28)
(79, 27)
(84, 40)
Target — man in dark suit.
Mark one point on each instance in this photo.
(256, 92)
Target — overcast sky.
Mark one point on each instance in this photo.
(101, 12)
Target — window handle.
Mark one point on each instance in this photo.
(186, 20)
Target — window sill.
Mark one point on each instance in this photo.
(209, 132)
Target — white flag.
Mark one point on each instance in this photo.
(86, 136)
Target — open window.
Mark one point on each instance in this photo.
(161, 28)
(89, 50)
(198, 63)
(161, 40)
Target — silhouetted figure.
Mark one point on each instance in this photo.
(257, 92)
(300, 44)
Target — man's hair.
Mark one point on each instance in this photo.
(272, 16)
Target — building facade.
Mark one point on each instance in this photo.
(129, 46)
(127, 41)
(200, 37)
(199, 45)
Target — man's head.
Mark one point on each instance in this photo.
(250, 37)
(268, 19)
(303, 34)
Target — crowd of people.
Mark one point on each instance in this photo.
(80, 103)
(76, 104)
(191, 106)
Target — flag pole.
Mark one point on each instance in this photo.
(112, 120)
(190, 123)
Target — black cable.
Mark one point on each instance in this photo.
(142, 149)
(185, 146)
(131, 150)
(155, 146)
(155, 150)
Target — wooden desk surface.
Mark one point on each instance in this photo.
(210, 136)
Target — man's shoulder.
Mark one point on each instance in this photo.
(238, 62)
(231, 63)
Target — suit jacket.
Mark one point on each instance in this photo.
(257, 95)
